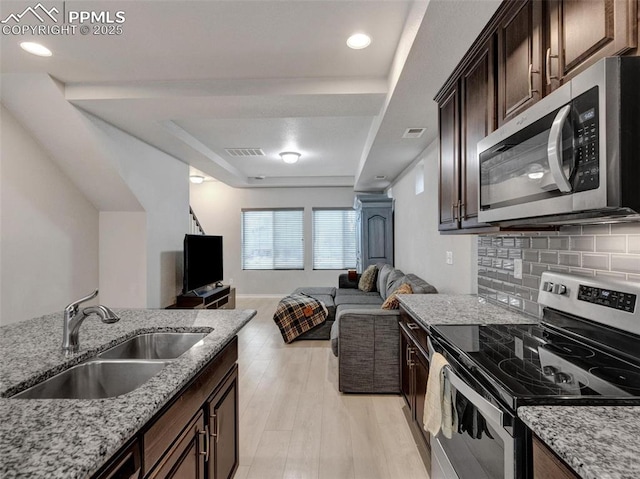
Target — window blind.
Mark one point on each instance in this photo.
(334, 238)
(273, 239)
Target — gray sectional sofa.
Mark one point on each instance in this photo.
(364, 337)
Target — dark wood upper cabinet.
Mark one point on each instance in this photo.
(528, 48)
(449, 160)
(467, 114)
(478, 119)
(519, 36)
(583, 31)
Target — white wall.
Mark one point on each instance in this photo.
(49, 241)
(218, 207)
(419, 247)
(123, 259)
(161, 184)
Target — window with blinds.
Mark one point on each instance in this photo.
(273, 239)
(334, 238)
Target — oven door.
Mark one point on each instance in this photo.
(482, 446)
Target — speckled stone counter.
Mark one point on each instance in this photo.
(433, 309)
(66, 439)
(598, 442)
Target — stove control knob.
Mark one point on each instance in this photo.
(562, 289)
(549, 371)
(548, 287)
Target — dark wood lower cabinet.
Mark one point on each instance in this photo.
(546, 465)
(195, 436)
(125, 465)
(188, 456)
(414, 372)
(223, 429)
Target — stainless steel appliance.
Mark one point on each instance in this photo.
(584, 352)
(571, 157)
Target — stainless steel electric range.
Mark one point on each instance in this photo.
(586, 351)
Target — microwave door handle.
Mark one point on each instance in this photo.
(488, 410)
(554, 150)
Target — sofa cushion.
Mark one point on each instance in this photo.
(359, 299)
(314, 290)
(394, 280)
(392, 301)
(367, 281)
(383, 274)
(419, 285)
(346, 307)
(354, 292)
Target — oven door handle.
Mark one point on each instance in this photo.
(490, 412)
(554, 150)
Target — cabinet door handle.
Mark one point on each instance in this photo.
(460, 209)
(531, 72)
(548, 66)
(453, 212)
(205, 433)
(413, 326)
(214, 432)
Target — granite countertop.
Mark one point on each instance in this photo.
(65, 438)
(439, 309)
(598, 442)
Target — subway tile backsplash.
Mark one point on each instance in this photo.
(610, 251)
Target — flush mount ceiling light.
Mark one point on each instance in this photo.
(197, 179)
(290, 157)
(358, 41)
(36, 49)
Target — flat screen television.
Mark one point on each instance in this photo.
(202, 262)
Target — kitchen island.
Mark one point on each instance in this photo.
(68, 438)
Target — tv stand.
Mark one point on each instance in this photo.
(219, 297)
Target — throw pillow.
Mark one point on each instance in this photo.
(392, 301)
(367, 281)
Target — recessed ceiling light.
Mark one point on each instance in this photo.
(358, 41)
(36, 49)
(381, 177)
(290, 157)
(197, 179)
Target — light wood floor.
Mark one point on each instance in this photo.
(294, 424)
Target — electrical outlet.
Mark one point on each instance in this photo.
(230, 280)
(449, 257)
(517, 268)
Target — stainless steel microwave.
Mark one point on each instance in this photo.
(572, 157)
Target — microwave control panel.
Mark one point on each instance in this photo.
(585, 120)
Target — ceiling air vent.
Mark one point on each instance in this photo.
(413, 132)
(244, 152)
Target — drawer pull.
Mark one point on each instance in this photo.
(205, 433)
(413, 326)
(214, 432)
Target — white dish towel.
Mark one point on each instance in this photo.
(432, 417)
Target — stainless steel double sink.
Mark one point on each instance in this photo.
(116, 371)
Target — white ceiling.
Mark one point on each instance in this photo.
(195, 77)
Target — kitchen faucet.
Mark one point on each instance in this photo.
(73, 318)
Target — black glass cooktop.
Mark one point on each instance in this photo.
(570, 361)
